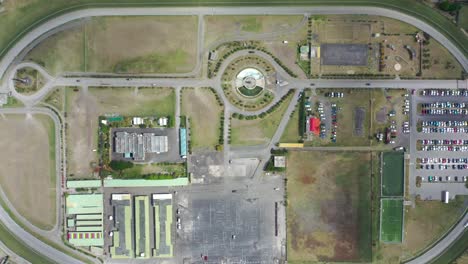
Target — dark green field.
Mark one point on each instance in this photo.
(17, 246)
(393, 174)
(391, 217)
(463, 17)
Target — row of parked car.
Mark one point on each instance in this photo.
(442, 166)
(443, 141)
(334, 112)
(334, 94)
(321, 112)
(443, 130)
(444, 123)
(445, 92)
(443, 160)
(430, 111)
(446, 178)
(445, 148)
(405, 127)
(445, 104)
(444, 127)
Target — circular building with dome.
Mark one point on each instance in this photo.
(250, 82)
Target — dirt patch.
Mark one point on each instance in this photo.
(25, 173)
(359, 116)
(82, 125)
(307, 179)
(381, 116)
(325, 199)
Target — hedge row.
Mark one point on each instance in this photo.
(267, 112)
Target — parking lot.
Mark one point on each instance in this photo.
(439, 142)
(235, 225)
(237, 221)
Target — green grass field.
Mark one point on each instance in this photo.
(291, 132)
(260, 130)
(391, 218)
(463, 17)
(393, 172)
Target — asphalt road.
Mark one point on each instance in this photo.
(263, 154)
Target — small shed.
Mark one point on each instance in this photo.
(280, 161)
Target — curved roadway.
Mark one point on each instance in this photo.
(29, 101)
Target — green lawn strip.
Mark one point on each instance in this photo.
(455, 250)
(393, 172)
(375, 202)
(49, 124)
(463, 17)
(20, 249)
(364, 212)
(38, 12)
(13, 102)
(174, 170)
(250, 92)
(392, 220)
(291, 132)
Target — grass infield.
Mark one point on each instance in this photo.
(391, 217)
(393, 174)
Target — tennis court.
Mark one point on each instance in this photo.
(393, 174)
(391, 220)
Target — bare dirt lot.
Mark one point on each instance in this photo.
(204, 113)
(27, 172)
(85, 106)
(328, 213)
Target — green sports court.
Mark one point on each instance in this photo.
(393, 173)
(391, 220)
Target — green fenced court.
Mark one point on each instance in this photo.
(393, 164)
(391, 220)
